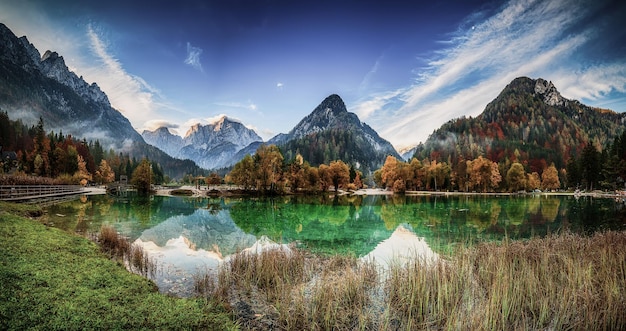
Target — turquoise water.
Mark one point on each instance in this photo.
(345, 224)
(189, 235)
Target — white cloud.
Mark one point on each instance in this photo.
(280, 85)
(128, 93)
(593, 83)
(193, 57)
(523, 38)
(368, 107)
(249, 105)
(155, 124)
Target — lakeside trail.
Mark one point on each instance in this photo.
(228, 190)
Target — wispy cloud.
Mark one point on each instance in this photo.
(193, 57)
(128, 93)
(522, 38)
(249, 105)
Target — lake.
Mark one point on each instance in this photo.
(186, 236)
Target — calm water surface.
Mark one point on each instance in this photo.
(189, 235)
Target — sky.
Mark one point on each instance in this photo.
(404, 67)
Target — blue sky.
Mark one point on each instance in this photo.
(405, 67)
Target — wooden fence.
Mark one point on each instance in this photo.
(30, 192)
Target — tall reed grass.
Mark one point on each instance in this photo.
(561, 282)
(117, 246)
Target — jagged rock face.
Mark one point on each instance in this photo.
(35, 86)
(222, 131)
(211, 146)
(53, 66)
(549, 92)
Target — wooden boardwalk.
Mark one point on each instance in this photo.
(25, 193)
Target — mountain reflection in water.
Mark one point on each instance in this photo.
(188, 235)
(400, 248)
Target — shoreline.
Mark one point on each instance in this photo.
(227, 190)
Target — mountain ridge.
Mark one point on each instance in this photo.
(529, 121)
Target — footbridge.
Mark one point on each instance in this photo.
(34, 193)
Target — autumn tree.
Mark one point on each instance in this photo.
(142, 177)
(104, 174)
(324, 180)
(533, 182)
(484, 174)
(268, 162)
(390, 171)
(312, 178)
(417, 175)
(516, 177)
(243, 173)
(82, 173)
(213, 179)
(358, 183)
(339, 174)
(296, 173)
(550, 178)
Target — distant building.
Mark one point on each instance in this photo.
(9, 160)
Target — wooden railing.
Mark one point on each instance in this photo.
(29, 192)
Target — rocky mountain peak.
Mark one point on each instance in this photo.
(53, 66)
(31, 50)
(330, 113)
(224, 122)
(549, 92)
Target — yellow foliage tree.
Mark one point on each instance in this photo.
(339, 174)
(550, 178)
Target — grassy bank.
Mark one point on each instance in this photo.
(563, 282)
(54, 280)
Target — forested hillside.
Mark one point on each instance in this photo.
(530, 123)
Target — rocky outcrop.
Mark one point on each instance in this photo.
(550, 94)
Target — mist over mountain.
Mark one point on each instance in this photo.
(34, 86)
(528, 122)
(331, 133)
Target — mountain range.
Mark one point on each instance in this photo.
(211, 146)
(529, 121)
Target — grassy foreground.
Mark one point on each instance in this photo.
(562, 282)
(52, 280)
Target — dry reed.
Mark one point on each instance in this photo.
(564, 281)
(118, 246)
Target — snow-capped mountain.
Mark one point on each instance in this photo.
(211, 146)
(164, 140)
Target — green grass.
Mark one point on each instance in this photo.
(21, 209)
(53, 280)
